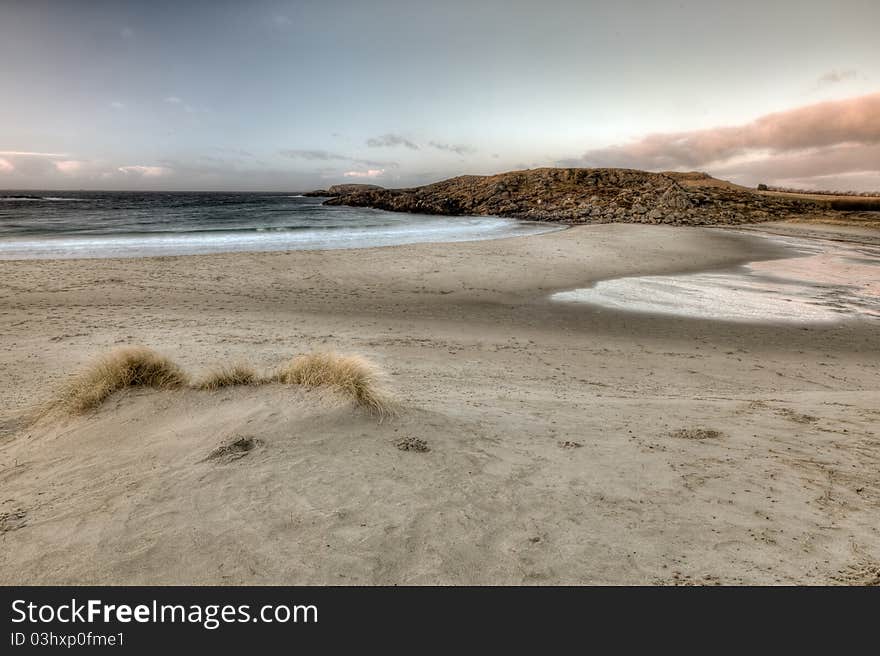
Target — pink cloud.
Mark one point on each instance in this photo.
(841, 135)
(371, 173)
(31, 162)
(856, 120)
(68, 166)
(808, 163)
(29, 153)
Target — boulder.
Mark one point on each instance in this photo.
(675, 198)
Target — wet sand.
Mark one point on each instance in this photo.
(824, 281)
(568, 443)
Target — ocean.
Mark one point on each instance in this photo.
(93, 224)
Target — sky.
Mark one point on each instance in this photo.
(290, 96)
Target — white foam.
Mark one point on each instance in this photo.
(196, 243)
(26, 199)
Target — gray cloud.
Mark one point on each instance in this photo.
(314, 155)
(238, 152)
(391, 140)
(453, 148)
(326, 156)
(834, 77)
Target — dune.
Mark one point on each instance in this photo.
(123, 367)
(284, 485)
(182, 486)
(228, 375)
(127, 367)
(351, 375)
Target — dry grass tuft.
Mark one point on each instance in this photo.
(352, 375)
(228, 376)
(138, 366)
(127, 366)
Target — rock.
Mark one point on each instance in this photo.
(342, 189)
(580, 195)
(339, 189)
(675, 198)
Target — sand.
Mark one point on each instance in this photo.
(537, 442)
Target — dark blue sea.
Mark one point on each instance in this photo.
(78, 224)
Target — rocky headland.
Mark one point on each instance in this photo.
(576, 195)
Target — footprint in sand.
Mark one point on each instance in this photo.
(697, 434)
(12, 521)
(238, 448)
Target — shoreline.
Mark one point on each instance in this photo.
(806, 229)
(565, 442)
(814, 230)
(422, 229)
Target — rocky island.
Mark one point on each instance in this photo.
(341, 189)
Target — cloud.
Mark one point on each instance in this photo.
(314, 155)
(144, 171)
(841, 135)
(371, 173)
(853, 181)
(176, 100)
(117, 105)
(69, 166)
(126, 33)
(27, 153)
(835, 77)
(326, 156)
(824, 162)
(239, 152)
(390, 140)
(453, 148)
(30, 163)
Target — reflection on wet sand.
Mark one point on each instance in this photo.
(823, 282)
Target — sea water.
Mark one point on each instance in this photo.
(39, 225)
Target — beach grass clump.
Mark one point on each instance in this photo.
(228, 375)
(352, 375)
(123, 367)
(137, 366)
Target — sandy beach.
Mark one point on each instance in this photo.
(567, 444)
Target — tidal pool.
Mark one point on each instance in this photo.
(824, 282)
